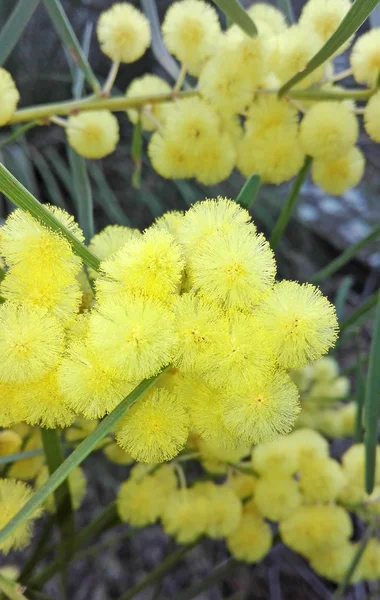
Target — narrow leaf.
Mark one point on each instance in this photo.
(11, 458)
(53, 190)
(248, 193)
(61, 169)
(340, 591)
(23, 199)
(238, 15)
(287, 8)
(372, 404)
(69, 39)
(359, 312)
(83, 193)
(136, 151)
(358, 13)
(216, 576)
(342, 294)
(14, 27)
(345, 257)
(11, 589)
(16, 133)
(76, 457)
(108, 200)
(290, 203)
(360, 397)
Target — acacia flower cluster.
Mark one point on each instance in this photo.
(236, 115)
(195, 292)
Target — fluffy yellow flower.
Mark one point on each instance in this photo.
(226, 510)
(337, 176)
(251, 541)
(300, 322)
(291, 52)
(333, 563)
(200, 325)
(372, 117)
(268, 409)
(77, 486)
(243, 484)
(277, 458)
(215, 159)
(316, 527)
(135, 337)
(38, 289)
(191, 31)
(321, 479)
(308, 444)
(365, 57)
(9, 96)
(86, 385)
(169, 158)
(13, 496)
(93, 134)
(13, 408)
(268, 14)
(324, 16)
(111, 239)
(216, 455)
(123, 32)
(329, 130)
(267, 112)
(370, 562)
(186, 515)
(220, 215)
(150, 265)
(171, 221)
(140, 501)
(353, 461)
(277, 498)
(149, 85)
(31, 342)
(117, 455)
(10, 442)
(29, 244)
(235, 270)
(155, 429)
(276, 155)
(325, 369)
(46, 405)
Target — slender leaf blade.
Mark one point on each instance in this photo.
(238, 15)
(69, 39)
(108, 200)
(76, 458)
(287, 8)
(83, 193)
(358, 13)
(372, 404)
(14, 27)
(248, 193)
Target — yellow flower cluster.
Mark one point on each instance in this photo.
(195, 292)
(323, 395)
(291, 481)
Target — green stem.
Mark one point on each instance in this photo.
(10, 458)
(286, 212)
(23, 199)
(19, 131)
(83, 194)
(159, 572)
(362, 310)
(96, 548)
(372, 405)
(217, 575)
(11, 589)
(38, 552)
(236, 13)
(118, 104)
(338, 95)
(345, 257)
(339, 592)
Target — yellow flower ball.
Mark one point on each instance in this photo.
(268, 14)
(111, 239)
(339, 175)
(316, 527)
(324, 16)
(225, 509)
(235, 270)
(31, 342)
(276, 155)
(353, 461)
(13, 496)
(215, 159)
(277, 458)
(117, 455)
(170, 221)
(9, 96)
(300, 323)
(333, 563)
(46, 405)
(139, 502)
(123, 32)
(321, 479)
(325, 369)
(370, 562)
(10, 442)
(169, 158)
(277, 497)
(186, 515)
(155, 429)
(149, 85)
(135, 338)
(251, 541)
(86, 385)
(292, 50)
(28, 468)
(191, 31)
(267, 409)
(243, 484)
(329, 130)
(365, 57)
(93, 134)
(372, 117)
(267, 112)
(308, 444)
